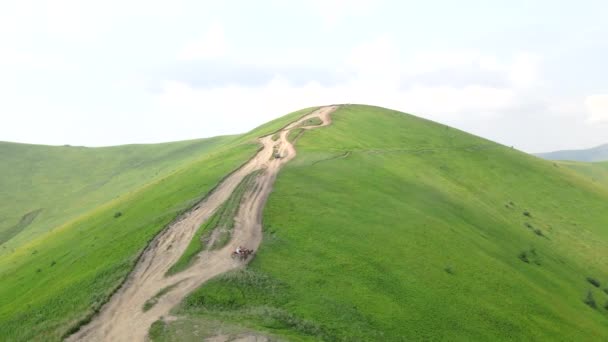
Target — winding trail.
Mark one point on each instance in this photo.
(122, 318)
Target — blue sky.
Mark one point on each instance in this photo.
(526, 74)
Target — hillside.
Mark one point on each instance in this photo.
(599, 153)
(46, 186)
(390, 227)
(385, 227)
(596, 173)
(65, 264)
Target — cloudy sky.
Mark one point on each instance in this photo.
(531, 74)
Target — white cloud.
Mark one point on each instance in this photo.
(67, 56)
(423, 62)
(15, 59)
(597, 107)
(272, 57)
(332, 11)
(565, 107)
(382, 56)
(211, 45)
(521, 71)
(376, 74)
(383, 76)
(524, 70)
(240, 108)
(376, 61)
(469, 101)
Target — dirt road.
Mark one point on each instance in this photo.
(122, 318)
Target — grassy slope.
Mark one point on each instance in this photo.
(222, 220)
(66, 182)
(412, 235)
(55, 278)
(595, 172)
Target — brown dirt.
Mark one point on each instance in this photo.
(122, 318)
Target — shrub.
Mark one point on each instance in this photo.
(538, 232)
(523, 256)
(117, 214)
(527, 213)
(448, 270)
(606, 305)
(593, 281)
(590, 300)
(606, 290)
(157, 329)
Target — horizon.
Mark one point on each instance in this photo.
(253, 128)
(119, 73)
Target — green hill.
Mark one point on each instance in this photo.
(100, 208)
(596, 154)
(46, 186)
(595, 172)
(390, 227)
(384, 227)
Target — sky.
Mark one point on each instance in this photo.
(528, 74)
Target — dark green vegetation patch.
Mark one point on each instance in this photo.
(152, 301)
(25, 221)
(312, 122)
(294, 134)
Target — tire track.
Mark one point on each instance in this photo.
(123, 318)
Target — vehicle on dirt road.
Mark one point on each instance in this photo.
(241, 253)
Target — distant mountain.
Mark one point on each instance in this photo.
(599, 153)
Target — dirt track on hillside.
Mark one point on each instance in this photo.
(122, 318)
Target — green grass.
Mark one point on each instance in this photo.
(65, 182)
(595, 172)
(66, 262)
(195, 246)
(294, 134)
(275, 125)
(384, 227)
(221, 221)
(228, 211)
(95, 252)
(24, 222)
(152, 301)
(195, 330)
(312, 122)
(389, 227)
